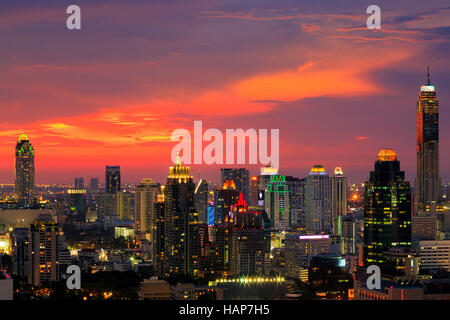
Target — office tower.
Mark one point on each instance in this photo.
(338, 200)
(79, 183)
(254, 191)
(112, 179)
(181, 221)
(124, 207)
(223, 200)
(19, 240)
(348, 235)
(247, 243)
(428, 182)
(387, 209)
(43, 252)
(24, 172)
(158, 229)
(145, 197)
(318, 200)
(263, 180)
(299, 248)
(94, 185)
(424, 227)
(77, 205)
(201, 201)
(295, 199)
(276, 202)
(241, 178)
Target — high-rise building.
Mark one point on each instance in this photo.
(201, 201)
(158, 229)
(43, 252)
(94, 185)
(428, 182)
(254, 191)
(338, 200)
(79, 183)
(145, 197)
(348, 235)
(295, 200)
(77, 205)
(276, 202)
(247, 244)
(241, 178)
(24, 172)
(318, 200)
(223, 200)
(387, 209)
(181, 222)
(112, 179)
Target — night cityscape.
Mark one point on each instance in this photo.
(341, 192)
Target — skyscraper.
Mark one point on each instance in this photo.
(24, 172)
(387, 209)
(247, 243)
(338, 200)
(158, 238)
(277, 202)
(241, 178)
(223, 200)
(181, 222)
(79, 183)
(112, 179)
(146, 195)
(318, 200)
(428, 183)
(43, 251)
(201, 201)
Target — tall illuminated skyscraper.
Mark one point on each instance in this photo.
(24, 172)
(180, 222)
(146, 195)
(112, 179)
(318, 200)
(387, 209)
(428, 182)
(277, 202)
(338, 200)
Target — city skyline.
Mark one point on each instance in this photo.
(120, 107)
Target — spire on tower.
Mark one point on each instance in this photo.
(178, 161)
(428, 75)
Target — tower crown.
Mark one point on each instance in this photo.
(387, 155)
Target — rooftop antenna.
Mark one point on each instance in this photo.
(428, 75)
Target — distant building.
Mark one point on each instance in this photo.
(112, 179)
(24, 172)
(154, 289)
(277, 202)
(318, 201)
(79, 183)
(299, 248)
(201, 200)
(387, 209)
(43, 252)
(338, 200)
(241, 179)
(434, 255)
(428, 183)
(146, 195)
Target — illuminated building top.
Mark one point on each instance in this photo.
(178, 171)
(338, 171)
(386, 155)
(268, 171)
(229, 184)
(22, 137)
(318, 170)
